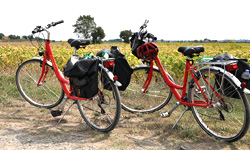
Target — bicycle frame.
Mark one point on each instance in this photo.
(48, 56)
(173, 87)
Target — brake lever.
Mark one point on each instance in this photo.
(37, 29)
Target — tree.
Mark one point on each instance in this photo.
(14, 36)
(125, 35)
(1, 35)
(25, 37)
(97, 35)
(30, 37)
(84, 26)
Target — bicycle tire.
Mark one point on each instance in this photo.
(228, 120)
(156, 97)
(106, 117)
(48, 94)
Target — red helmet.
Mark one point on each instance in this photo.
(147, 51)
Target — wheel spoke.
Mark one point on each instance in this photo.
(46, 95)
(102, 113)
(227, 119)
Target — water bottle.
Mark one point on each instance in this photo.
(245, 75)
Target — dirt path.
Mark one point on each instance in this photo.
(23, 126)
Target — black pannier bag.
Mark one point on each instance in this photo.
(241, 66)
(83, 74)
(121, 68)
(135, 43)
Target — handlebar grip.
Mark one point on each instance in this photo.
(36, 30)
(150, 35)
(58, 22)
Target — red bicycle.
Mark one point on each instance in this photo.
(214, 96)
(42, 84)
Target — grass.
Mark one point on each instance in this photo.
(8, 89)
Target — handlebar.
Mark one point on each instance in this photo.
(142, 34)
(40, 28)
(54, 23)
(144, 25)
(150, 35)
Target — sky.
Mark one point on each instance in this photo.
(168, 19)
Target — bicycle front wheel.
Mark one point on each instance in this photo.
(103, 112)
(156, 97)
(228, 118)
(48, 94)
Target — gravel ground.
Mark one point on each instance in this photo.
(25, 127)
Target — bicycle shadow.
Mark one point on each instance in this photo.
(42, 129)
(187, 134)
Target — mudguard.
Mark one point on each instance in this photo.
(110, 75)
(47, 62)
(40, 59)
(156, 68)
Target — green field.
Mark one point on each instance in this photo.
(12, 54)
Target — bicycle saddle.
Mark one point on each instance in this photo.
(77, 43)
(190, 51)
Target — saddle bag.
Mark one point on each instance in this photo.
(83, 74)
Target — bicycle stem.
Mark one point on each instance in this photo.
(48, 34)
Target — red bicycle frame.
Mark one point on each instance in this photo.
(173, 87)
(48, 56)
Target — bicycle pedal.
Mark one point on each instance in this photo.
(168, 113)
(55, 113)
(164, 114)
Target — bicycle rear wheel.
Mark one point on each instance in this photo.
(102, 113)
(156, 97)
(48, 94)
(228, 120)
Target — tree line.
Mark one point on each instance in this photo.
(14, 37)
(18, 38)
(85, 27)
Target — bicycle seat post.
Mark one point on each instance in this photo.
(74, 53)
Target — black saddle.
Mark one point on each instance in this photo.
(190, 51)
(77, 43)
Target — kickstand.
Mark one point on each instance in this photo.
(72, 103)
(186, 109)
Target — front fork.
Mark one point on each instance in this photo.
(149, 77)
(45, 70)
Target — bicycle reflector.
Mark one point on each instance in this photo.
(243, 84)
(109, 63)
(115, 78)
(232, 67)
